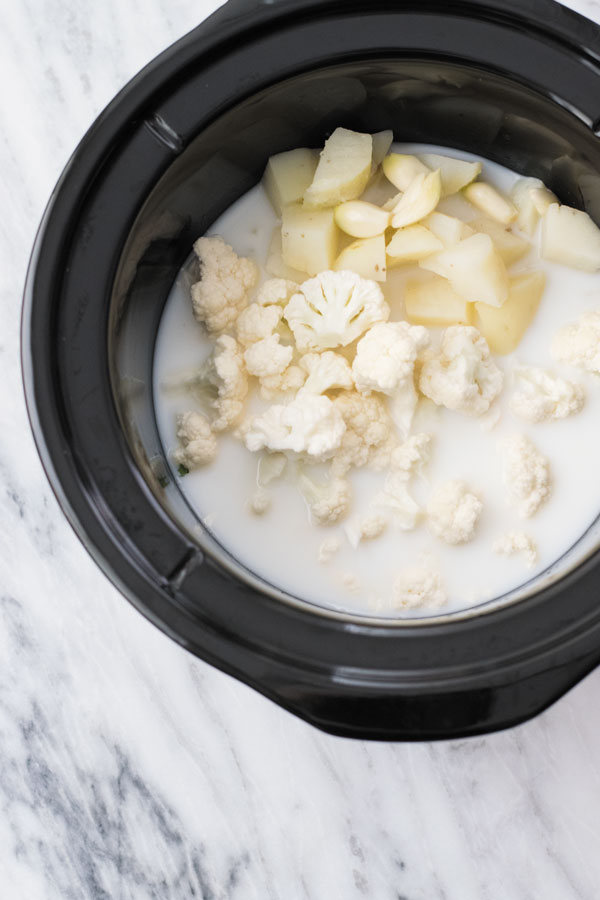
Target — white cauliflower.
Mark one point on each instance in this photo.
(517, 542)
(397, 499)
(198, 443)
(543, 396)
(308, 426)
(256, 323)
(526, 475)
(333, 309)
(417, 587)
(291, 379)
(385, 356)
(267, 357)
(276, 292)
(453, 511)
(463, 377)
(403, 405)
(271, 466)
(366, 528)
(225, 280)
(368, 429)
(259, 503)
(325, 371)
(578, 344)
(328, 501)
(328, 548)
(412, 455)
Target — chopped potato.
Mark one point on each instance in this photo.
(288, 175)
(366, 258)
(309, 238)
(474, 268)
(412, 244)
(571, 237)
(435, 303)
(382, 141)
(510, 246)
(504, 328)
(491, 202)
(455, 173)
(275, 265)
(448, 229)
(402, 169)
(343, 170)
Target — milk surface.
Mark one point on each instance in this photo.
(281, 547)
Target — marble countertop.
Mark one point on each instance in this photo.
(130, 770)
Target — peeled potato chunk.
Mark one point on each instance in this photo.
(275, 265)
(455, 173)
(570, 237)
(491, 202)
(510, 246)
(343, 170)
(474, 268)
(309, 238)
(360, 219)
(420, 198)
(382, 141)
(288, 175)
(402, 169)
(366, 258)
(435, 303)
(448, 229)
(542, 199)
(504, 328)
(412, 244)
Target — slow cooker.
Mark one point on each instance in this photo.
(515, 81)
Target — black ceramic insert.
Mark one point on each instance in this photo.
(516, 82)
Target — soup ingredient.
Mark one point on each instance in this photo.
(434, 302)
(225, 280)
(382, 141)
(402, 169)
(343, 169)
(531, 199)
(268, 357)
(420, 198)
(463, 376)
(291, 379)
(365, 258)
(453, 511)
(225, 374)
(517, 542)
(360, 219)
(275, 265)
(271, 466)
(275, 292)
(288, 175)
(198, 445)
(504, 328)
(455, 173)
(385, 356)
(543, 396)
(491, 202)
(474, 268)
(334, 309)
(328, 549)
(510, 246)
(328, 501)
(395, 498)
(412, 455)
(309, 238)
(325, 371)
(257, 322)
(411, 244)
(526, 475)
(365, 529)
(368, 429)
(543, 198)
(570, 237)
(417, 587)
(307, 426)
(578, 343)
(260, 502)
(448, 229)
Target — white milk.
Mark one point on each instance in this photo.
(281, 546)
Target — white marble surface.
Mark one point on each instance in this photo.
(128, 769)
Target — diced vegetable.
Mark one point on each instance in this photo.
(448, 229)
(504, 328)
(474, 268)
(402, 169)
(288, 175)
(455, 173)
(521, 195)
(309, 238)
(382, 141)
(412, 244)
(343, 170)
(365, 257)
(435, 303)
(510, 246)
(275, 265)
(570, 237)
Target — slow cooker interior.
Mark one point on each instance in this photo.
(422, 101)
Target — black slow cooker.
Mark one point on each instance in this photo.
(516, 81)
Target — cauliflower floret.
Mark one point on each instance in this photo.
(416, 587)
(267, 357)
(403, 405)
(385, 356)
(325, 371)
(517, 542)
(333, 309)
(368, 428)
(256, 323)
(526, 475)
(453, 511)
(308, 426)
(328, 548)
(276, 291)
(225, 279)
(259, 503)
(291, 379)
(396, 498)
(544, 396)
(271, 466)
(412, 456)
(463, 377)
(578, 343)
(198, 443)
(366, 528)
(329, 501)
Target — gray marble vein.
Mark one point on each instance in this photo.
(130, 770)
